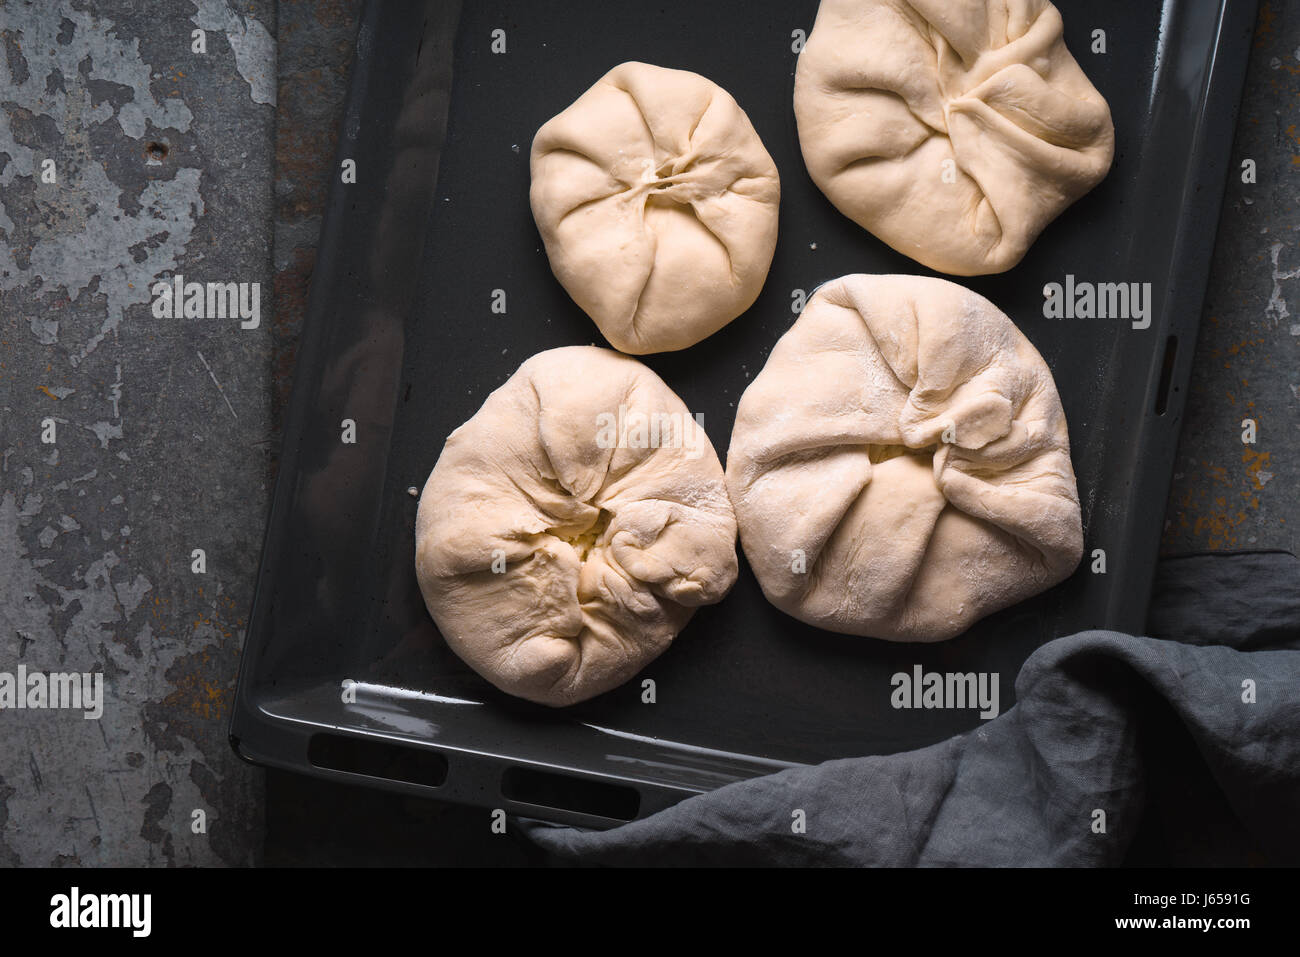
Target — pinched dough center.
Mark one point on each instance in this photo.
(585, 541)
(883, 453)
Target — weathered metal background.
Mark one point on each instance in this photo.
(163, 164)
(1228, 494)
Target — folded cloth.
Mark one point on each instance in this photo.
(1061, 778)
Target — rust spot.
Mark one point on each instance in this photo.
(199, 696)
(1264, 26)
(1255, 461)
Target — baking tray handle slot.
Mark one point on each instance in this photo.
(565, 792)
(377, 759)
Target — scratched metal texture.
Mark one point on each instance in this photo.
(1227, 494)
(163, 426)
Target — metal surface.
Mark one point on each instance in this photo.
(1229, 494)
(744, 690)
(162, 165)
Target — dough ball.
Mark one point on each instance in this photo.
(658, 206)
(890, 95)
(901, 467)
(572, 526)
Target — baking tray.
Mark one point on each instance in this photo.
(344, 675)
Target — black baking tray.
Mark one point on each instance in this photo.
(344, 674)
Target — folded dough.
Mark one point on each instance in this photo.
(571, 527)
(890, 95)
(658, 206)
(901, 466)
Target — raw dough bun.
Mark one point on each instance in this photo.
(839, 452)
(608, 547)
(887, 91)
(658, 206)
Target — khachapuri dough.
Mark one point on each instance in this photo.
(900, 467)
(657, 204)
(572, 526)
(953, 130)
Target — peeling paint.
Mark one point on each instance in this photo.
(99, 252)
(88, 545)
(95, 43)
(1277, 310)
(253, 46)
